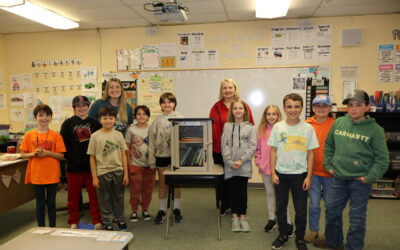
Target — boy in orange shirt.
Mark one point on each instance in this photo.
(44, 148)
(322, 123)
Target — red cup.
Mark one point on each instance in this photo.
(11, 149)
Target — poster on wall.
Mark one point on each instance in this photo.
(386, 53)
(184, 41)
(89, 79)
(397, 54)
(212, 58)
(349, 73)
(198, 58)
(278, 55)
(263, 55)
(26, 80)
(278, 36)
(293, 54)
(150, 57)
(17, 115)
(184, 59)
(15, 82)
(197, 40)
(122, 59)
(386, 73)
(16, 100)
(397, 73)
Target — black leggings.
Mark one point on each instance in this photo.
(238, 194)
(46, 195)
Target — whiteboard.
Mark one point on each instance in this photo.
(197, 91)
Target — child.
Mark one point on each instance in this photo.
(356, 155)
(76, 132)
(160, 153)
(238, 144)
(322, 123)
(109, 169)
(141, 176)
(292, 142)
(44, 148)
(271, 115)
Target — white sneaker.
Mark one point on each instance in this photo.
(245, 225)
(236, 225)
(74, 226)
(98, 226)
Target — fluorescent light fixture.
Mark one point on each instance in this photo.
(272, 8)
(10, 3)
(41, 15)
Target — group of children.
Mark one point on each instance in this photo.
(290, 154)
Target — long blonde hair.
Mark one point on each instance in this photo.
(230, 80)
(231, 118)
(122, 110)
(263, 122)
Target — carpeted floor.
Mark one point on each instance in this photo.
(198, 230)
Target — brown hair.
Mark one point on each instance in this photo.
(293, 97)
(107, 111)
(169, 96)
(230, 80)
(231, 118)
(263, 122)
(122, 110)
(42, 108)
(145, 109)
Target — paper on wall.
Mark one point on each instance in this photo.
(198, 58)
(16, 100)
(27, 82)
(278, 36)
(212, 58)
(263, 55)
(3, 103)
(15, 82)
(184, 59)
(17, 115)
(349, 73)
(122, 59)
(150, 57)
(386, 73)
(386, 53)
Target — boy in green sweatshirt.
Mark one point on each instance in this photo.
(356, 155)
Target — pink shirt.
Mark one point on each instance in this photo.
(263, 151)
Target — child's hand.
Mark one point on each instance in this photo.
(362, 179)
(307, 184)
(237, 164)
(96, 182)
(42, 153)
(331, 172)
(38, 150)
(275, 179)
(125, 182)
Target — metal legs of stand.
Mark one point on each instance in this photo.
(218, 212)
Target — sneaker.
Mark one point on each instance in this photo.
(236, 225)
(311, 236)
(322, 244)
(177, 215)
(146, 215)
(74, 226)
(245, 225)
(98, 226)
(290, 233)
(108, 228)
(122, 226)
(280, 241)
(160, 217)
(271, 225)
(301, 245)
(133, 217)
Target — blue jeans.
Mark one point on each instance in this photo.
(315, 199)
(340, 192)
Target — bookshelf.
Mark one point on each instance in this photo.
(191, 143)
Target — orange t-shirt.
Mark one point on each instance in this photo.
(44, 170)
(322, 131)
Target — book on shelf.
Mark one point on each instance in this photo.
(191, 139)
(185, 156)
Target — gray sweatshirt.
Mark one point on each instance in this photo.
(238, 142)
(160, 137)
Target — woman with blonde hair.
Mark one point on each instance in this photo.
(228, 92)
(114, 96)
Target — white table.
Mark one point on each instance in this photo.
(42, 238)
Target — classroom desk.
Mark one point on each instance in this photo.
(193, 179)
(39, 238)
(17, 193)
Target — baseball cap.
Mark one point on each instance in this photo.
(359, 95)
(80, 99)
(322, 99)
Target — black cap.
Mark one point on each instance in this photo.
(359, 95)
(80, 99)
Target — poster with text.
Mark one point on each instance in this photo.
(212, 58)
(263, 55)
(293, 54)
(386, 53)
(278, 36)
(150, 57)
(278, 55)
(386, 73)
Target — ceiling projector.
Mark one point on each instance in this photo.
(168, 12)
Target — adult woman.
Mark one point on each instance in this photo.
(228, 93)
(114, 96)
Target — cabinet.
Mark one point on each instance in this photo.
(191, 144)
(389, 121)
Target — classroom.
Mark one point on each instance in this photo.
(328, 47)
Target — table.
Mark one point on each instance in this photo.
(9, 200)
(39, 238)
(193, 179)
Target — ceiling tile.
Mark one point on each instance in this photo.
(357, 10)
(240, 5)
(116, 23)
(99, 14)
(208, 18)
(242, 16)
